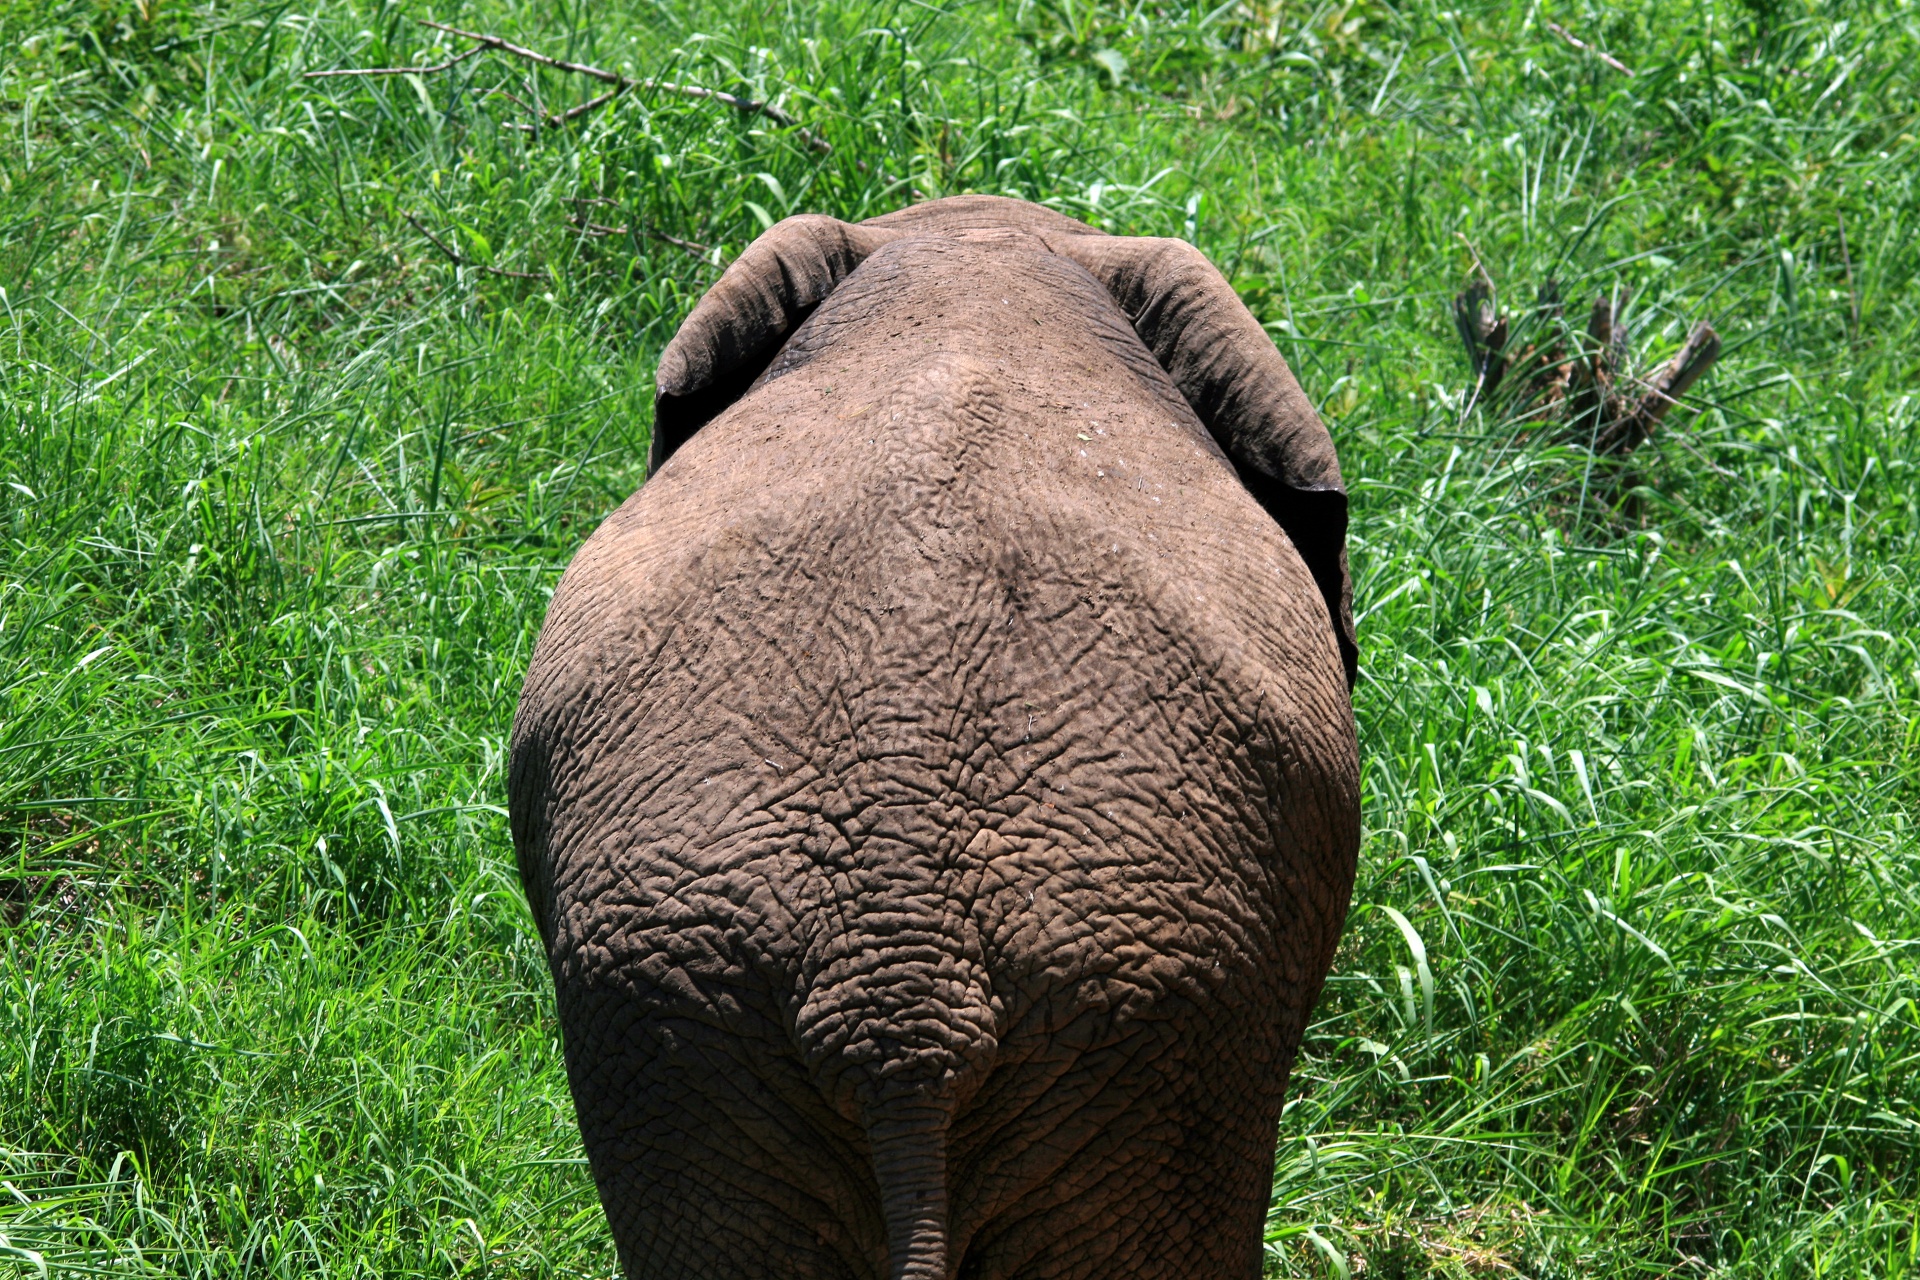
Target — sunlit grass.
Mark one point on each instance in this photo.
(1631, 979)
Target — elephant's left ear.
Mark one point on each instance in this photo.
(742, 322)
(1239, 384)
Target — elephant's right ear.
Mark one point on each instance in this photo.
(1239, 385)
(742, 322)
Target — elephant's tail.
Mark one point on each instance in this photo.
(909, 1140)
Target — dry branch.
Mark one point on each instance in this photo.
(1584, 47)
(448, 65)
(458, 261)
(1483, 331)
(1630, 429)
(1846, 259)
(601, 229)
(1592, 405)
(621, 83)
(591, 104)
(1591, 395)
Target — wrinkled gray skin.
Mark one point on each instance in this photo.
(937, 787)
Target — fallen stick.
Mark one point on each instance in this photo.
(1483, 331)
(1853, 295)
(1623, 428)
(1584, 47)
(1694, 358)
(590, 104)
(448, 65)
(459, 261)
(1594, 396)
(621, 84)
(601, 229)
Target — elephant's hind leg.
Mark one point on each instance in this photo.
(713, 1154)
(1145, 1155)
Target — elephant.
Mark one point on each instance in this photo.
(937, 786)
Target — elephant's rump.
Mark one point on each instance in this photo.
(950, 724)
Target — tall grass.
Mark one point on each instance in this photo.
(1630, 983)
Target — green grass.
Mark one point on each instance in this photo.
(1630, 983)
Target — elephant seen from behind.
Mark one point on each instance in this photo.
(937, 787)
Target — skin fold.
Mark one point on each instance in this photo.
(937, 787)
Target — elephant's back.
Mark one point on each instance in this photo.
(929, 579)
(942, 727)
(954, 410)
(945, 717)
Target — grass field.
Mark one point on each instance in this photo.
(289, 462)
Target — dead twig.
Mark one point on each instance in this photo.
(459, 261)
(621, 84)
(1592, 396)
(521, 103)
(1853, 295)
(1630, 429)
(1703, 459)
(591, 104)
(693, 247)
(1584, 47)
(1479, 269)
(600, 229)
(448, 65)
(1483, 331)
